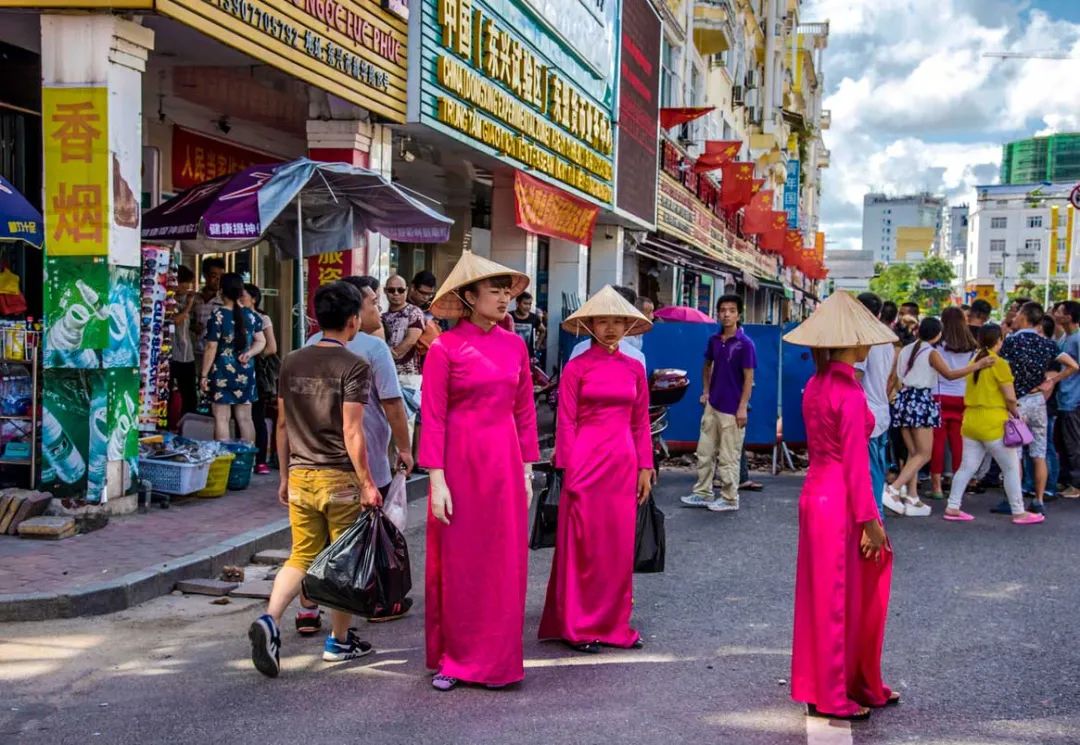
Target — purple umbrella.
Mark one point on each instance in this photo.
(331, 201)
(681, 313)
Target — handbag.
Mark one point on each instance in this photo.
(650, 543)
(546, 512)
(1017, 433)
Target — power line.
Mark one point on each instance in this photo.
(1030, 55)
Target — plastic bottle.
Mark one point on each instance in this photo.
(59, 451)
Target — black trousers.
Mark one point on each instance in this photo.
(262, 437)
(1067, 433)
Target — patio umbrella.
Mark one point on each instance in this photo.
(331, 201)
(683, 314)
(19, 221)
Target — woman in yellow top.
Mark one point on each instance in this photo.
(989, 401)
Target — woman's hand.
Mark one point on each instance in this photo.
(442, 506)
(645, 481)
(204, 385)
(984, 363)
(244, 358)
(528, 485)
(873, 540)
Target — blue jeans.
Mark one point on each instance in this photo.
(1053, 466)
(879, 463)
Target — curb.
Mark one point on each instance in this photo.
(146, 584)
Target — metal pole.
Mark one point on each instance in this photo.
(1072, 250)
(301, 286)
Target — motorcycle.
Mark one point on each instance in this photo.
(667, 386)
(545, 387)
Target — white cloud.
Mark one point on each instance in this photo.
(916, 106)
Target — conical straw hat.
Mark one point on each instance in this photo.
(606, 302)
(841, 321)
(471, 268)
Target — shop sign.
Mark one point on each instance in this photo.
(494, 77)
(197, 158)
(354, 49)
(587, 26)
(791, 194)
(680, 214)
(322, 270)
(77, 203)
(639, 87)
(547, 210)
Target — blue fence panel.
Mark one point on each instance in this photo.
(798, 366)
(682, 346)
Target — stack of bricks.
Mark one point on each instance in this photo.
(19, 505)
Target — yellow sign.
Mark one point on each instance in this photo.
(352, 48)
(77, 193)
(1054, 220)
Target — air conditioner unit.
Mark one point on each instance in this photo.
(738, 95)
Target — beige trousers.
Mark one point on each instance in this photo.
(718, 453)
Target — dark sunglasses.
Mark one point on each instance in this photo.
(394, 290)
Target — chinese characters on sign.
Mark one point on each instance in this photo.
(75, 129)
(196, 159)
(322, 270)
(791, 194)
(546, 210)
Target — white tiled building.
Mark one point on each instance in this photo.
(884, 216)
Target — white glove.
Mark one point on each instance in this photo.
(528, 485)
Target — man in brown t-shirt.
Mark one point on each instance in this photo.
(325, 481)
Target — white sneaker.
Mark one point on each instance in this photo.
(891, 500)
(916, 508)
(722, 505)
(695, 500)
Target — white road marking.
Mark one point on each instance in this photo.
(827, 731)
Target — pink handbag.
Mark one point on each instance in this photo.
(1017, 433)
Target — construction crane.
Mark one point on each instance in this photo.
(1030, 55)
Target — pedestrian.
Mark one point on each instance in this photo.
(877, 375)
(918, 368)
(1068, 403)
(185, 377)
(626, 346)
(528, 326)
(844, 568)
(421, 291)
(403, 324)
(728, 379)
(1030, 356)
(989, 401)
(267, 368)
(478, 443)
(1047, 328)
(647, 308)
(603, 443)
(957, 347)
(206, 300)
(1008, 325)
(234, 338)
(978, 316)
(325, 481)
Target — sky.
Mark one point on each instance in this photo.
(916, 107)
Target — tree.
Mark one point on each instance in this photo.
(895, 282)
(935, 278)
(1027, 287)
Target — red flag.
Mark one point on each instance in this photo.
(675, 116)
(775, 235)
(793, 248)
(758, 212)
(712, 161)
(756, 186)
(736, 185)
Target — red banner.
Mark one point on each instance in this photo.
(736, 188)
(197, 158)
(547, 210)
(759, 212)
(675, 116)
(322, 270)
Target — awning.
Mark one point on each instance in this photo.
(676, 254)
(769, 284)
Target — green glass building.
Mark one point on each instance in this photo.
(1055, 158)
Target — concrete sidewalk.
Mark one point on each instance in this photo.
(138, 557)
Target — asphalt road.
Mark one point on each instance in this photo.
(983, 643)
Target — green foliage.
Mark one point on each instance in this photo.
(901, 283)
(894, 282)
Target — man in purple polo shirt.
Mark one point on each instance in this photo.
(730, 359)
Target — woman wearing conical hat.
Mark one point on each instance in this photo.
(478, 443)
(844, 565)
(603, 443)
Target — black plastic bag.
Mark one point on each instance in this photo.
(546, 512)
(366, 568)
(650, 545)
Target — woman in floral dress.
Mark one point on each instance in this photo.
(234, 338)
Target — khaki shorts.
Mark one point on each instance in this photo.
(322, 504)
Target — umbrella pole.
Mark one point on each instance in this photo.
(301, 283)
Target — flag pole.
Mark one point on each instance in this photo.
(302, 286)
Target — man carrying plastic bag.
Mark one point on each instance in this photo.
(325, 480)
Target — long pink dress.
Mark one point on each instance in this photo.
(841, 599)
(602, 440)
(479, 426)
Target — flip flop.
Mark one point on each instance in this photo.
(963, 517)
(859, 716)
(1028, 518)
(751, 486)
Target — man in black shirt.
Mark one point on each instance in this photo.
(528, 325)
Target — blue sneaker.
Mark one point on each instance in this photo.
(352, 648)
(265, 639)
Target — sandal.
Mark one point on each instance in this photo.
(936, 495)
(587, 647)
(750, 485)
(960, 517)
(860, 716)
(443, 682)
(1028, 518)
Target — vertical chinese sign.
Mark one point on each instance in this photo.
(322, 270)
(791, 193)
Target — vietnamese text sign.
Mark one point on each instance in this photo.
(354, 49)
(77, 193)
(547, 210)
(639, 87)
(497, 79)
(197, 158)
(791, 194)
